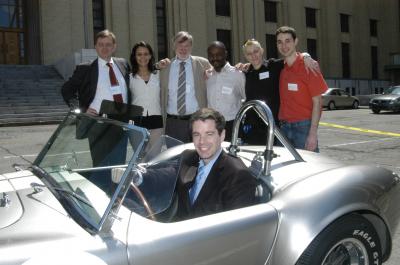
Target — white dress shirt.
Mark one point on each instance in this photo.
(226, 90)
(103, 90)
(190, 96)
(146, 95)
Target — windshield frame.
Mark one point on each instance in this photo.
(70, 205)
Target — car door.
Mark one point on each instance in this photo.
(241, 236)
(334, 96)
(345, 99)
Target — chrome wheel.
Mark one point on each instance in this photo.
(350, 240)
(349, 251)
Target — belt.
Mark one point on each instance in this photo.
(179, 117)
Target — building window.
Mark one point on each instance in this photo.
(223, 8)
(98, 16)
(270, 11)
(312, 48)
(346, 60)
(344, 23)
(311, 17)
(12, 32)
(162, 43)
(374, 62)
(272, 51)
(224, 36)
(373, 27)
(11, 15)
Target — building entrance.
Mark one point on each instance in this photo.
(12, 45)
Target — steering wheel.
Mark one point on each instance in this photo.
(144, 201)
(137, 179)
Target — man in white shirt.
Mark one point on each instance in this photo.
(106, 78)
(225, 86)
(93, 82)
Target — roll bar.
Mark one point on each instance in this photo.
(265, 113)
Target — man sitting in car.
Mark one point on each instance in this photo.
(210, 180)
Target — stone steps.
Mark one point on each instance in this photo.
(30, 94)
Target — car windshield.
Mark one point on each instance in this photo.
(90, 164)
(395, 90)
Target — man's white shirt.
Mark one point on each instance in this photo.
(190, 96)
(226, 91)
(104, 90)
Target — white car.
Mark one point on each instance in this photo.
(335, 98)
(311, 209)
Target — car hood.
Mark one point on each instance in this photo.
(287, 172)
(10, 204)
(24, 197)
(387, 97)
(34, 221)
(22, 193)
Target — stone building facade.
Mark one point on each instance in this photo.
(352, 39)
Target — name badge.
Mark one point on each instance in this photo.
(116, 90)
(292, 87)
(227, 90)
(264, 75)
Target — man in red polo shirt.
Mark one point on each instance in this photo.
(300, 94)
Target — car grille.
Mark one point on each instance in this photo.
(381, 101)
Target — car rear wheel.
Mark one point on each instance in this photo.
(350, 240)
(376, 111)
(331, 105)
(355, 104)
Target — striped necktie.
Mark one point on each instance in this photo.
(181, 105)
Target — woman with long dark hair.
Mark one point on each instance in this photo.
(144, 84)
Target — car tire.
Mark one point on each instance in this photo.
(331, 105)
(355, 104)
(376, 111)
(351, 239)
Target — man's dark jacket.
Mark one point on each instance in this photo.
(83, 83)
(228, 186)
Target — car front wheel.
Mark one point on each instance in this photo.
(350, 240)
(376, 111)
(355, 104)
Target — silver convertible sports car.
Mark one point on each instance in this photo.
(69, 208)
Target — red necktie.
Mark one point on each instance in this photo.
(114, 82)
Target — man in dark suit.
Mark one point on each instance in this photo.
(211, 180)
(106, 78)
(91, 83)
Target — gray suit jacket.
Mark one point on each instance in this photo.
(199, 65)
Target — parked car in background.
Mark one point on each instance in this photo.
(389, 100)
(335, 98)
